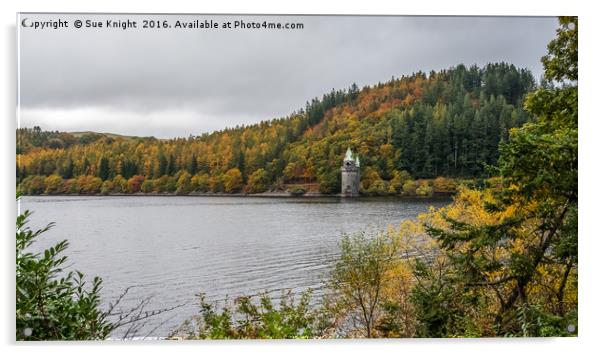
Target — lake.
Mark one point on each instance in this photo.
(171, 248)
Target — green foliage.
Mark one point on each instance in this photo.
(88, 184)
(103, 169)
(358, 278)
(297, 191)
(531, 248)
(409, 187)
(424, 189)
(107, 187)
(398, 180)
(391, 325)
(200, 182)
(53, 184)
(120, 184)
(444, 185)
(146, 186)
(28, 139)
(561, 61)
(249, 318)
(184, 183)
(330, 182)
(434, 299)
(32, 185)
(232, 180)
(378, 187)
(537, 322)
(258, 182)
(549, 169)
(52, 304)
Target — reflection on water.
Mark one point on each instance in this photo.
(172, 248)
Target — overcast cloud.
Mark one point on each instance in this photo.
(169, 82)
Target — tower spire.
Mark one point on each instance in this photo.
(348, 155)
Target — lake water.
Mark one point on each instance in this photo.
(172, 248)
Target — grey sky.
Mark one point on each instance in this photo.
(169, 82)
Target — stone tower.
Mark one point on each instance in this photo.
(350, 175)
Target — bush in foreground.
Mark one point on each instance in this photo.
(52, 305)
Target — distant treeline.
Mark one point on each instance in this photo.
(447, 123)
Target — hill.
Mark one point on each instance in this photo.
(447, 123)
(111, 135)
(36, 138)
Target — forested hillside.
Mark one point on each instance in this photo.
(447, 123)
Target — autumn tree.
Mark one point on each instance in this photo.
(53, 184)
(232, 180)
(358, 279)
(183, 184)
(146, 186)
(532, 231)
(200, 182)
(134, 184)
(120, 184)
(107, 187)
(258, 182)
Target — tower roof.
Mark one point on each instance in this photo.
(348, 155)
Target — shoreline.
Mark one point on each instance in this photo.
(246, 195)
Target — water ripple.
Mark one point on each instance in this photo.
(171, 248)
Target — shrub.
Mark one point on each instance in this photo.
(409, 188)
(424, 189)
(396, 183)
(297, 191)
(135, 183)
(216, 184)
(70, 186)
(54, 184)
(184, 183)
(171, 184)
(200, 182)
(88, 184)
(36, 186)
(51, 305)
(107, 187)
(330, 182)
(444, 185)
(146, 186)
(232, 180)
(257, 182)
(119, 184)
(160, 184)
(247, 318)
(378, 187)
(359, 278)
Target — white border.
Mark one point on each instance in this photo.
(590, 122)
